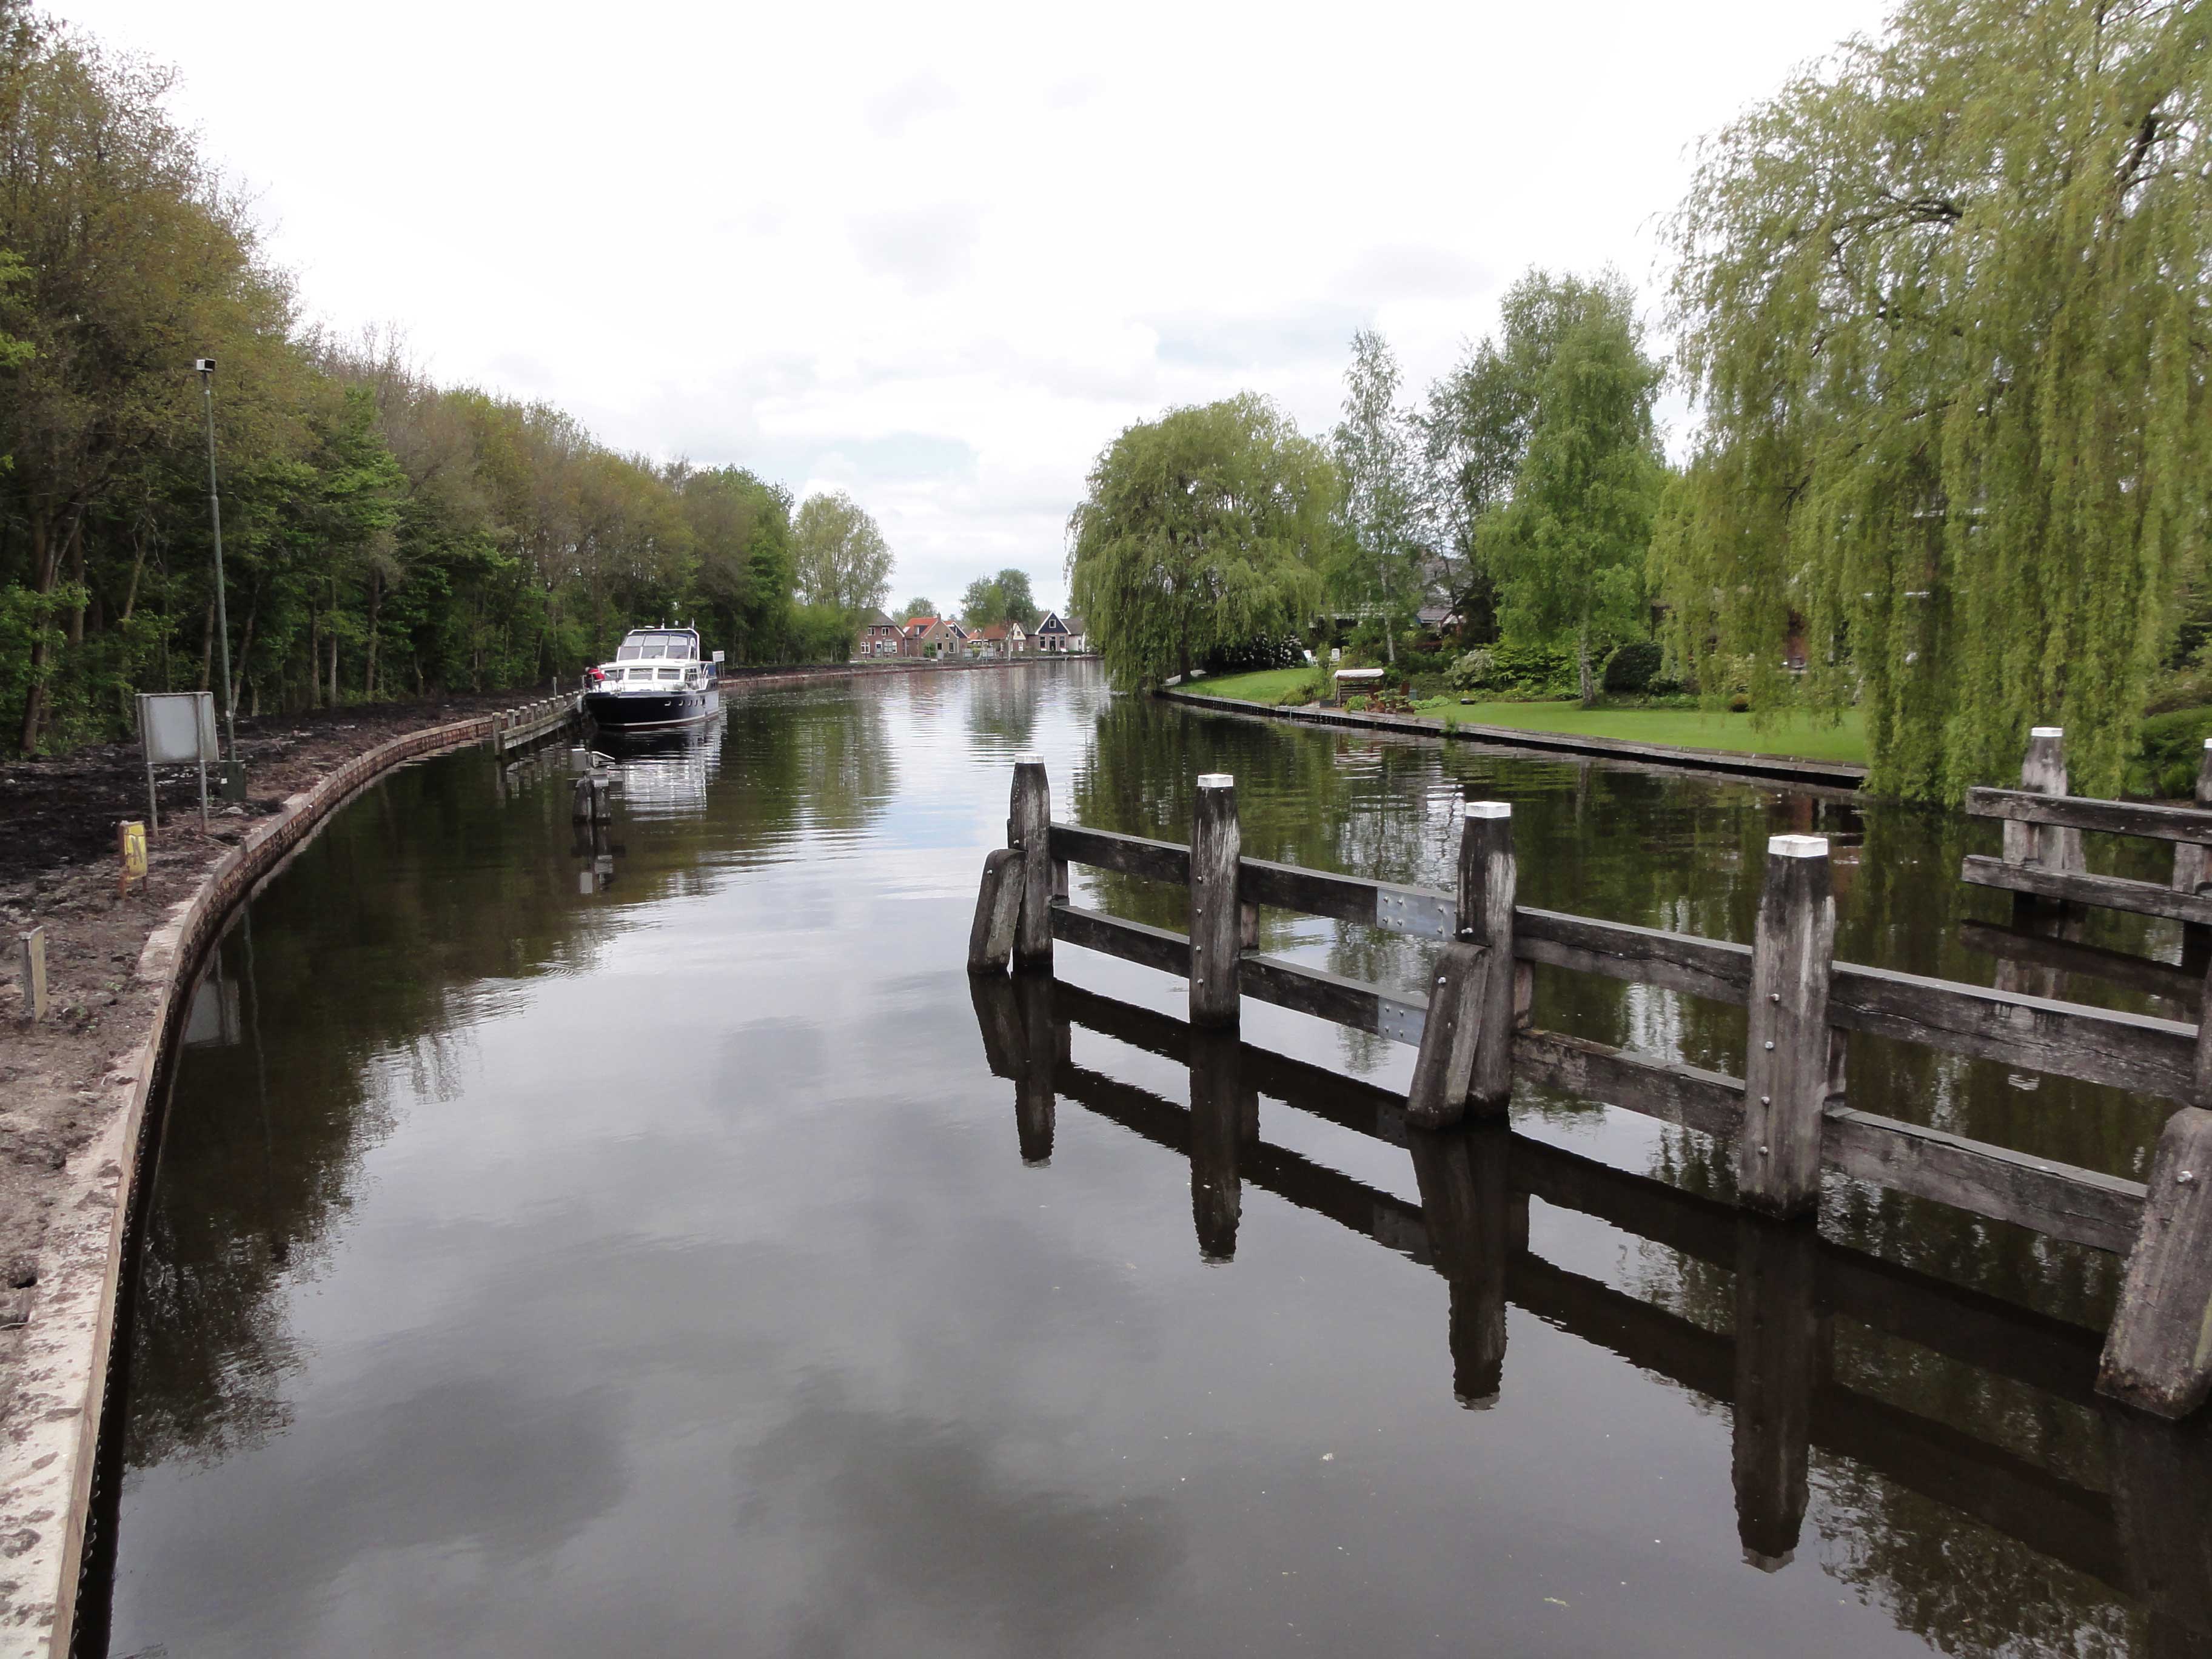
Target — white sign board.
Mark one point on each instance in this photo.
(177, 727)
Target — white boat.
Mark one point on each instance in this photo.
(658, 681)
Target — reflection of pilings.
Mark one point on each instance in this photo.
(1473, 1227)
(1225, 1112)
(2162, 1494)
(1024, 1041)
(1777, 1346)
(1791, 1275)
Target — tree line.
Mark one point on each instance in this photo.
(383, 536)
(1943, 306)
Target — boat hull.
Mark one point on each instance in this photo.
(653, 711)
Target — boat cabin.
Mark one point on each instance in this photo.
(664, 659)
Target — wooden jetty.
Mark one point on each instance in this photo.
(2145, 1535)
(1787, 1119)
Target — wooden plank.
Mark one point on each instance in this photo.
(2189, 825)
(2157, 1356)
(1682, 1094)
(1444, 1071)
(2060, 1199)
(1132, 856)
(2146, 898)
(997, 907)
(1215, 944)
(1785, 1078)
(1419, 912)
(1132, 941)
(2096, 1045)
(1332, 997)
(1675, 962)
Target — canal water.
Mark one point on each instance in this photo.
(652, 1245)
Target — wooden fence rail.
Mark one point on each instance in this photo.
(1787, 1120)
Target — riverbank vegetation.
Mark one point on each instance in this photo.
(383, 536)
(1944, 308)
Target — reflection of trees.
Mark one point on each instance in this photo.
(799, 761)
(1001, 708)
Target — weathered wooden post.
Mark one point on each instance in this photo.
(1488, 876)
(2042, 772)
(998, 908)
(1224, 1113)
(1215, 920)
(1467, 1210)
(1443, 1068)
(2158, 1353)
(1030, 827)
(1778, 1347)
(581, 811)
(1786, 1068)
(2192, 869)
(31, 966)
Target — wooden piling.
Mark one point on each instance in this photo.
(998, 908)
(31, 968)
(1215, 921)
(2193, 870)
(1777, 1348)
(1030, 825)
(2162, 1507)
(1786, 1067)
(1452, 1037)
(2158, 1354)
(1488, 876)
(580, 811)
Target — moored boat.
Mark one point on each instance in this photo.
(658, 681)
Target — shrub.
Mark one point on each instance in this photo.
(1632, 667)
(2172, 747)
(1473, 671)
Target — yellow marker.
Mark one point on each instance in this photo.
(131, 839)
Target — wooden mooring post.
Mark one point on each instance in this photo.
(1216, 919)
(2192, 872)
(1029, 831)
(1475, 1225)
(1777, 1362)
(2049, 846)
(1786, 1063)
(1224, 1116)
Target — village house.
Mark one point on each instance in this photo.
(878, 636)
(1052, 634)
(933, 636)
(1078, 638)
(1002, 640)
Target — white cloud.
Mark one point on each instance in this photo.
(941, 256)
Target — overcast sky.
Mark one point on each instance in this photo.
(937, 255)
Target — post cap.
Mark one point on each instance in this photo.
(2046, 731)
(1486, 809)
(1216, 780)
(1029, 760)
(1798, 847)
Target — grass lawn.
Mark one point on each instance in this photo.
(1688, 728)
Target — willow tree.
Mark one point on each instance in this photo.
(1947, 303)
(1205, 528)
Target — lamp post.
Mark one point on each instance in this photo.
(233, 776)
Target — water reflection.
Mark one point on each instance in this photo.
(1773, 1361)
(573, 1240)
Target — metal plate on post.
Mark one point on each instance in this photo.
(1400, 1021)
(1423, 916)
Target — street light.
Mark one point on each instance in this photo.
(234, 775)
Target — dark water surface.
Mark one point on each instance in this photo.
(559, 1250)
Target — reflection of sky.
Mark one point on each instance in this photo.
(712, 1310)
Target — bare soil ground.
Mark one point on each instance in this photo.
(58, 868)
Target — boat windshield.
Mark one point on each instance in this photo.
(656, 645)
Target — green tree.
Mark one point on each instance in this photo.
(1207, 527)
(1377, 450)
(1003, 597)
(1570, 548)
(1474, 429)
(1947, 303)
(844, 564)
(917, 607)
